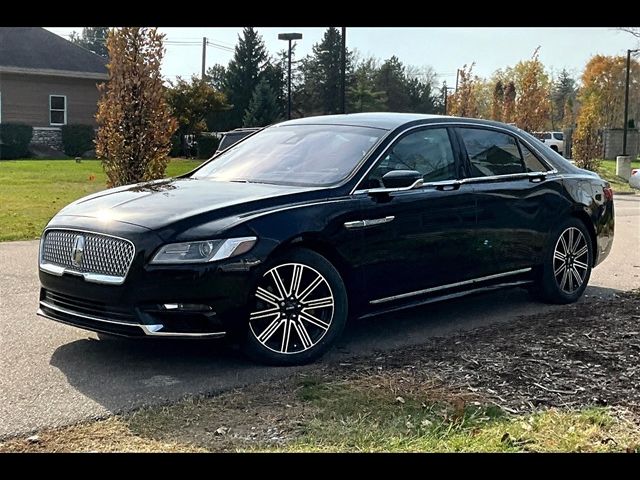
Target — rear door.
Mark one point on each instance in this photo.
(518, 199)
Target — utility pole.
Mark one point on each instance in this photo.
(343, 68)
(626, 103)
(444, 94)
(457, 75)
(204, 56)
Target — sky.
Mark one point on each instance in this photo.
(443, 49)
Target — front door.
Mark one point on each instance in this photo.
(420, 238)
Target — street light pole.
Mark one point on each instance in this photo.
(343, 68)
(290, 37)
(626, 103)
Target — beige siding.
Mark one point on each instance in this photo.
(25, 98)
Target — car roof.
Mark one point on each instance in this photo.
(386, 120)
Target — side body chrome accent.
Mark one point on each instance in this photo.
(368, 223)
(450, 285)
(149, 330)
(441, 298)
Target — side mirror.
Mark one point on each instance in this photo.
(401, 178)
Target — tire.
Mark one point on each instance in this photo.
(554, 148)
(298, 310)
(563, 279)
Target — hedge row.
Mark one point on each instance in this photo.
(14, 140)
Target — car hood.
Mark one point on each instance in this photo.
(154, 205)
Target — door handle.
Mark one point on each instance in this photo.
(536, 177)
(368, 223)
(448, 187)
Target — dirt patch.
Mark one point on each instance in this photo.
(581, 354)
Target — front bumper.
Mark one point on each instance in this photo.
(194, 323)
(189, 301)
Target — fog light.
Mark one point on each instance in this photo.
(187, 307)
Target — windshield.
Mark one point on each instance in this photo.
(305, 155)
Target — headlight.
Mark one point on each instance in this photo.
(203, 251)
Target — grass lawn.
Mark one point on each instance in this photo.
(607, 171)
(34, 190)
(373, 413)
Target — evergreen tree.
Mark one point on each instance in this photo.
(275, 74)
(321, 74)
(216, 75)
(263, 109)
(243, 73)
(391, 79)
(421, 93)
(563, 91)
(93, 39)
(363, 95)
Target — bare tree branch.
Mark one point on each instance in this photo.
(635, 31)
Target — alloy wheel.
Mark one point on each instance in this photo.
(294, 308)
(570, 260)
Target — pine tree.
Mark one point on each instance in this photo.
(134, 119)
(93, 39)
(321, 76)
(391, 79)
(563, 91)
(263, 109)
(243, 73)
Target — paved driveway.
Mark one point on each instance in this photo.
(52, 374)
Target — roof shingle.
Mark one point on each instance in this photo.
(39, 49)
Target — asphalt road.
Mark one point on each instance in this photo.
(52, 374)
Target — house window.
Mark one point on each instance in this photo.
(57, 109)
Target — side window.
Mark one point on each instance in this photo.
(531, 162)
(558, 136)
(546, 136)
(426, 151)
(491, 153)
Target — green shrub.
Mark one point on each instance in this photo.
(176, 148)
(14, 140)
(77, 139)
(207, 145)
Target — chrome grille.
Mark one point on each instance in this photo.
(103, 255)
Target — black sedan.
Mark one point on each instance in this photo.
(277, 241)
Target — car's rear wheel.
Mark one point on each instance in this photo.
(298, 310)
(567, 266)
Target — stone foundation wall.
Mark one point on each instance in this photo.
(49, 136)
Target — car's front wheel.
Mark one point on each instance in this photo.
(298, 310)
(567, 265)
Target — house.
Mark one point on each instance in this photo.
(47, 82)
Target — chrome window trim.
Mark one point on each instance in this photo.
(59, 270)
(444, 183)
(450, 285)
(455, 124)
